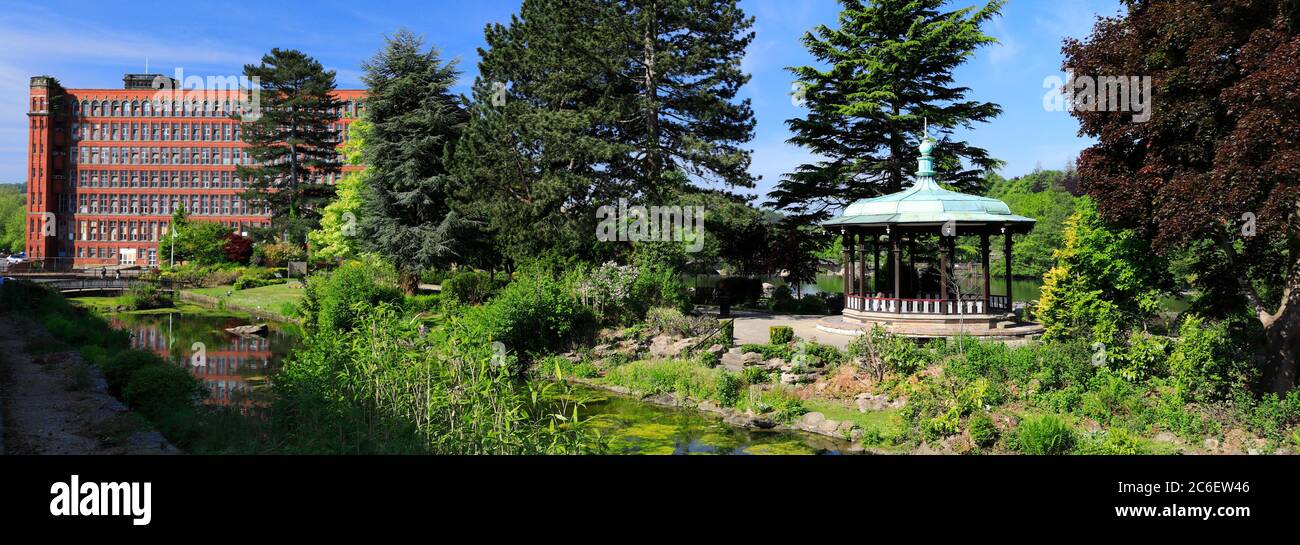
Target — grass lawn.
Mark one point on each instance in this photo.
(278, 298)
(886, 424)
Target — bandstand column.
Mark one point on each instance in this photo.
(844, 267)
(862, 264)
(952, 266)
(943, 268)
(1007, 253)
(850, 271)
(984, 265)
(898, 270)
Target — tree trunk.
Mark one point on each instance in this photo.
(409, 282)
(649, 38)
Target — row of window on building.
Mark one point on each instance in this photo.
(163, 205)
(176, 132)
(169, 108)
(133, 231)
(147, 338)
(144, 179)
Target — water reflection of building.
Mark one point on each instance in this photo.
(230, 362)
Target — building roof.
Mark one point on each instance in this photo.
(925, 203)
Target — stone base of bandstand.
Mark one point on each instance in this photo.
(1001, 326)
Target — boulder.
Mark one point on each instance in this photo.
(248, 330)
(717, 350)
(789, 378)
(828, 426)
(752, 358)
(811, 420)
(867, 402)
(733, 362)
(660, 346)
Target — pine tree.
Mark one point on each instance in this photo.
(291, 143)
(890, 65)
(581, 103)
(415, 123)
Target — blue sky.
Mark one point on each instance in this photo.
(91, 44)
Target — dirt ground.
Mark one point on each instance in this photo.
(54, 403)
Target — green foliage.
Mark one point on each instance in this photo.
(1044, 434)
(278, 254)
(1041, 195)
(298, 105)
(335, 301)
(1114, 441)
(542, 153)
(416, 121)
(768, 351)
(386, 387)
(1202, 365)
(539, 311)
(13, 219)
(119, 369)
(755, 375)
(469, 287)
(727, 335)
(157, 390)
(656, 377)
(982, 430)
(780, 334)
(668, 321)
(709, 359)
(145, 297)
(728, 388)
(1104, 282)
(254, 277)
(203, 242)
(860, 121)
(336, 239)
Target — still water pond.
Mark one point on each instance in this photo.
(237, 371)
(234, 368)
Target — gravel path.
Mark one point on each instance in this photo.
(752, 327)
(54, 403)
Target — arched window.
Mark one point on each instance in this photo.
(117, 109)
(148, 108)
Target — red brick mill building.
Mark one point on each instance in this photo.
(106, 168)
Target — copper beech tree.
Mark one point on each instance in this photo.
(1217, 165)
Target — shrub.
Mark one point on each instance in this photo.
(668, 321)
(982, 430)
(279, 254)
(256, 277)
(119, 368)
(727, 389)
(156, 390)
(754, 375)
(469, 287)
(1115, 441)
(536, 312)
(780, 334)
(1046, 434)
(768, 351)
(145, 297)
(422, 303)
(709, 359)
(813, 304)
(332, 303)
(1200, 366)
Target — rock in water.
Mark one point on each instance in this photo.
(248, 330)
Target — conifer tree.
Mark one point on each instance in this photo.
(291, 143)
(581, 103)
(889, 66)
(415, 121)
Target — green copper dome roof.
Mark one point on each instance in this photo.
(927, 203)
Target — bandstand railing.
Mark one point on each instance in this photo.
(920, 306)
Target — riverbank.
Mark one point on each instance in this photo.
(54, 402)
